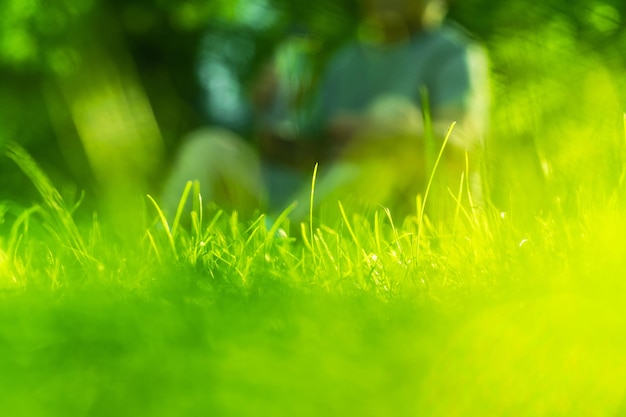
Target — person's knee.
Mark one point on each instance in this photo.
(225, 165)
(208, 144)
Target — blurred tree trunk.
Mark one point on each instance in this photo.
(98, 103)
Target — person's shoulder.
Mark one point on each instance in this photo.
(454, 36)
(451, 42)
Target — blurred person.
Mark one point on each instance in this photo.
(377, 120)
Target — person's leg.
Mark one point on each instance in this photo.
(283, 184)
(227, 168)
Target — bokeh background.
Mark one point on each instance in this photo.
(102, 91)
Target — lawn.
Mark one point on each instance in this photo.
(517, 309)
(216, 315)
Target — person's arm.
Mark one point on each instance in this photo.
(460, 94)
(386, 116)
(283, 131)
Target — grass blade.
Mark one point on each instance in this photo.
(430, 183)
(180, 209)
(165, 225)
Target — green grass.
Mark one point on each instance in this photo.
(517, 310)
(354, 315)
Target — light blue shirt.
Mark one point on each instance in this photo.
(446, 64)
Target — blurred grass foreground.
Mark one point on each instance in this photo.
(107, 309)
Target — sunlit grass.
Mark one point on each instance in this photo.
(516, 309)
(361, 314)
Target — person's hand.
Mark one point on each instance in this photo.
(393, 115)
(387, 116)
